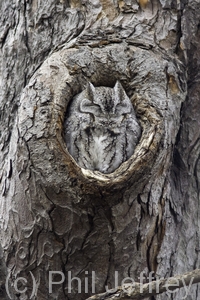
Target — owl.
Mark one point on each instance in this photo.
(101, 128)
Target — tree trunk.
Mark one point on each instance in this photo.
(59, 217)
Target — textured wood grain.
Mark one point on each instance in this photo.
(56, 216)
(138, 291)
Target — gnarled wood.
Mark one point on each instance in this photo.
(56, 216)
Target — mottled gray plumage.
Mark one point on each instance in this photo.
(101, 128)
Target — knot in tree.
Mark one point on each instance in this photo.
(100, 139)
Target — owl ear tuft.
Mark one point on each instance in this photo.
(123, 103)
(90, 91)
(119, 91)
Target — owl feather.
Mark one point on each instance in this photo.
(101, 128)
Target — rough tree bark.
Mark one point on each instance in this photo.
(56, 216)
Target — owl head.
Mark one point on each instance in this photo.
(106, 100)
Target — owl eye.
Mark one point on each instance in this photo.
(124, 108)
(86, 106)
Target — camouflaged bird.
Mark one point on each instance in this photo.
(101, 128)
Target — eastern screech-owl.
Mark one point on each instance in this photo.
(101, 128)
